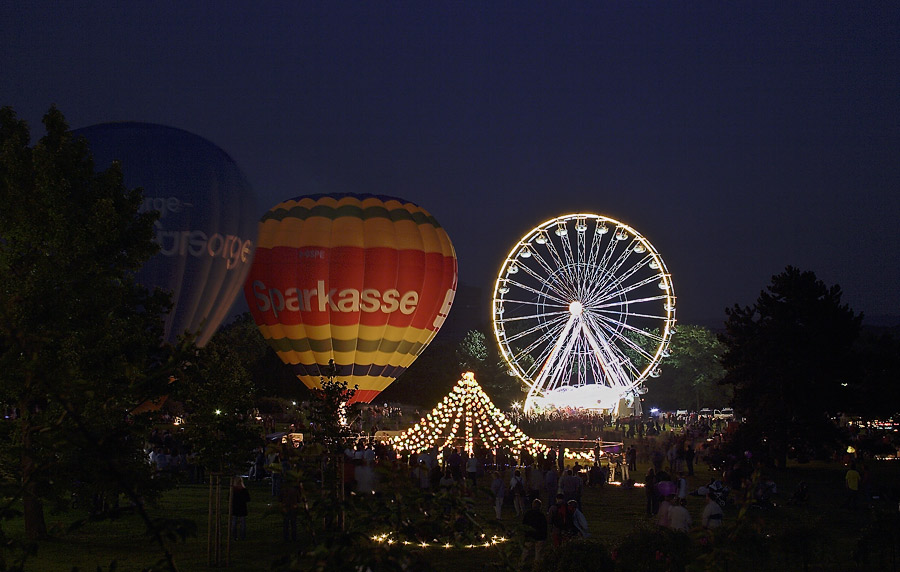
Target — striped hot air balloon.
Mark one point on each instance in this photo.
(363, 280)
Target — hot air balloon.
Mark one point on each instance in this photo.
(208, 218)
(363, 280)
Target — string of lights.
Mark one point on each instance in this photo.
(468, 412)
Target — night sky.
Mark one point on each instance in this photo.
(738, 137)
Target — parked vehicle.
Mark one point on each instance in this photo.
(726, 413)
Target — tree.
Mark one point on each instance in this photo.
(874, 393)
(472, 351)
(430, 377)
(492, 373)
(80, 340)
(787, 357)
(691, 374)
(217, 392)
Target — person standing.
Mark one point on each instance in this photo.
(290, 506)
(551, 484)
(651, 493)
(689, 458)
(535, 478)
(712, 514)
(517, 488)
(535, 523)
(579, 521)
(679, 517)
(851, 481)
(498, 490)
(560, 522)
(681, 487)
(240, 496)
(664, 514)
(570, 486)
(472, 467)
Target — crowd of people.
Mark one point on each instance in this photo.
(543, 493)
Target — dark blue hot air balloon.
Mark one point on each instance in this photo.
(208, 217)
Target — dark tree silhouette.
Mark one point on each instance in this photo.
(80, 340)
(787, 357)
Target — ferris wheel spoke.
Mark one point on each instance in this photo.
(564, 268)
(616, 269)
(559, 288)
(511, 303)
(557, 296)
(582, 267)
(616, 326)
(619, 303)
(543, 365)
(553, 326)
(603, 266)
(626, 341)
(567, 249)
(613, 361)
(625, 275)
(538, 349)
(614, 334)
(563, 284)
(626, 289)
(639, 315)
(551, 316)
(596, 243)
(600, 274)
(556, 363)
(557, 260)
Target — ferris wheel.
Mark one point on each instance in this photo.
(583, 311)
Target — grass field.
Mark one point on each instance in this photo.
(821, 535)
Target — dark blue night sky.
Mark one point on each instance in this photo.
(739, 137)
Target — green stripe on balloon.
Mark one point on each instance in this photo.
(306, 344)
(355, 211)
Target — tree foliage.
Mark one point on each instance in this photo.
(429, 378)
(787, 358)
(691, 374)
(483, 359)
(874, 393)
(80, 340)
(217, 391)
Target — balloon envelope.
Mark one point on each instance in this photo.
(363, 280)
(208, 217)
